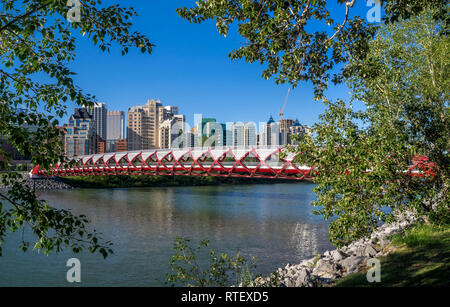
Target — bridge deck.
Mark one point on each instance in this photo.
(262, 162)
(254, 162)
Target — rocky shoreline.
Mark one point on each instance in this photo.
(44, 184)
(325, 269)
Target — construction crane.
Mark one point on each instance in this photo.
(284, 105)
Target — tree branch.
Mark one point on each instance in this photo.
(348, 5)
(24, 15)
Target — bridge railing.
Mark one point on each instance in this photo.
(249, 161)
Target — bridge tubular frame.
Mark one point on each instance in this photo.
(186, 162)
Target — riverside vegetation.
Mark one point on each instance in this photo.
(128, 181)
(362, 154)
(412, 252)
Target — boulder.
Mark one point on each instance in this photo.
(289, 282)
(304, 278)
(338, 255)
(307, 263)
(370, 251)
(359, 251)
(326, 269)
(352, 264)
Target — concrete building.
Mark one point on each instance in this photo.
(191, 137)
(201, 133)
(215, 134)
(143, 124)
(243, 134)
(171, 132)
(80, 136)
(122, 145)
(168, 112)
(115, 129)
(285, 131)
(101, 146)
(271, 133)
(116, 145)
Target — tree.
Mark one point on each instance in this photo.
(277, 34)
(347, 144)
(363, 158)
(37, 43)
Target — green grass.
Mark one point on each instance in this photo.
(421, 259)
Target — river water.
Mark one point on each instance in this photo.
(273, 222)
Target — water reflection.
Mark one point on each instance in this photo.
(272, 222)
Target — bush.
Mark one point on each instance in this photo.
(222, 270)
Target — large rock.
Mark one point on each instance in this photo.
(338, 255)
(309, 263)
(357, 250)
(370, 251)
(304, 278)
(289, 282)
(326, 269)
(352, 264)
(361, 251)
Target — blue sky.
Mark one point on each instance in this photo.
(190, 68)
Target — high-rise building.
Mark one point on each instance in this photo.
(80, 136)
(143, 124)
(202, 133)
(285, 132)
(243, 134)
(259, 138)
(271, 133)
(214, 134)
(168, 112)
(115, 125)
(99, 116)
(171, 132)
(191, 137)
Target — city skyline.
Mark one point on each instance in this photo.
(192, 71)
(155, 125)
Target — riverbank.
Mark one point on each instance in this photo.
(421, 258)
(410, 252)
(42, 184)
(132, 181)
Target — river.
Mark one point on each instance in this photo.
(273, 222)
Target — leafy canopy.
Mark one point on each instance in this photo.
(37, 44)
(363, 158)
(283, 35)
(401, 76)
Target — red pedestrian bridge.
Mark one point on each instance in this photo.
(247, 162)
